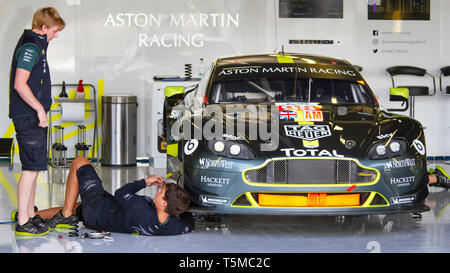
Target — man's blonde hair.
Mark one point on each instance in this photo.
(48, 17)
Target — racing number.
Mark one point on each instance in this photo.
(419, 146)
(190, 146)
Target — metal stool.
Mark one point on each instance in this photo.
(413, 90)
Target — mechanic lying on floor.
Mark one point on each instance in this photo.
(437, 177)
(124, 212)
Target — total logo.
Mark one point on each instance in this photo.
(291, 152)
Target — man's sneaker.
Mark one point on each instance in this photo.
(15, 214)
(442, 177)
(59, 221)
(29, 229)
(41, 223)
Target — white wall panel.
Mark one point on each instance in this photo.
(91, 47)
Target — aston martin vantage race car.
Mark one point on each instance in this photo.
(292, 134)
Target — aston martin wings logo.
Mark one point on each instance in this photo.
(307, 132)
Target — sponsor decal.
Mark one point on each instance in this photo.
(288, 115)
(307, 132)
(402, 200)
(420, 148)
(190, 146)
(304, 115)
(291, 152)
(385, 136)
(214, 181)
(214, 200)
(304, 69)
(394, 164)
(205, 163)
(231, 137)
(300, 112)
(239, 70)
(297, 107)
(402, 181)
(350, 144)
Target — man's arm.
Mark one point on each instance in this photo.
(24, 91)
(125, 194)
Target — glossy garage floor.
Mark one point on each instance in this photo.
(230, 233)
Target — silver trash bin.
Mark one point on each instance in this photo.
(119, 121)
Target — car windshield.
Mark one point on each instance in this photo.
(317, 90)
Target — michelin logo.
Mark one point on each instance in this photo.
(214, 200)
(402, 200)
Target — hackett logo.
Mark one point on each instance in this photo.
(307, 132)
(215, 180)
(401, 180)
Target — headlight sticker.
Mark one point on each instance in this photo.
(420, 148)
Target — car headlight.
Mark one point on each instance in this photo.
(381, 150)
(219, 146)
(235, 149)
(394, 146)
(387, 149)
(230, 149)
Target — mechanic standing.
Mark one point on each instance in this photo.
(29, 101)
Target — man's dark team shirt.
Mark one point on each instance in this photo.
(128, 212)
(27, 56)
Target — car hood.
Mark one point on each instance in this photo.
(341, 131)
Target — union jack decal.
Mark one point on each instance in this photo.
(287, 115)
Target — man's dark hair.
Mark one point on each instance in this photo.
(177, 199)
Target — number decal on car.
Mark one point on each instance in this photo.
(190, 146)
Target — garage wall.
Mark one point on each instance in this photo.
(120, 46)
(400, 42)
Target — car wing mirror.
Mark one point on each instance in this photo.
(399, 94)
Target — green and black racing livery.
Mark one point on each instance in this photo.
(292, 134)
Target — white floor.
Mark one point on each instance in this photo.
(231, 233)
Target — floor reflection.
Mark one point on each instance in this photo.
(426, 232)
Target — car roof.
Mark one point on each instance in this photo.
(279, 58)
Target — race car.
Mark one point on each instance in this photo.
(292, 134)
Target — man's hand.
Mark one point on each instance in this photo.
(154, 180)
(43, 119)
(24, 91)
